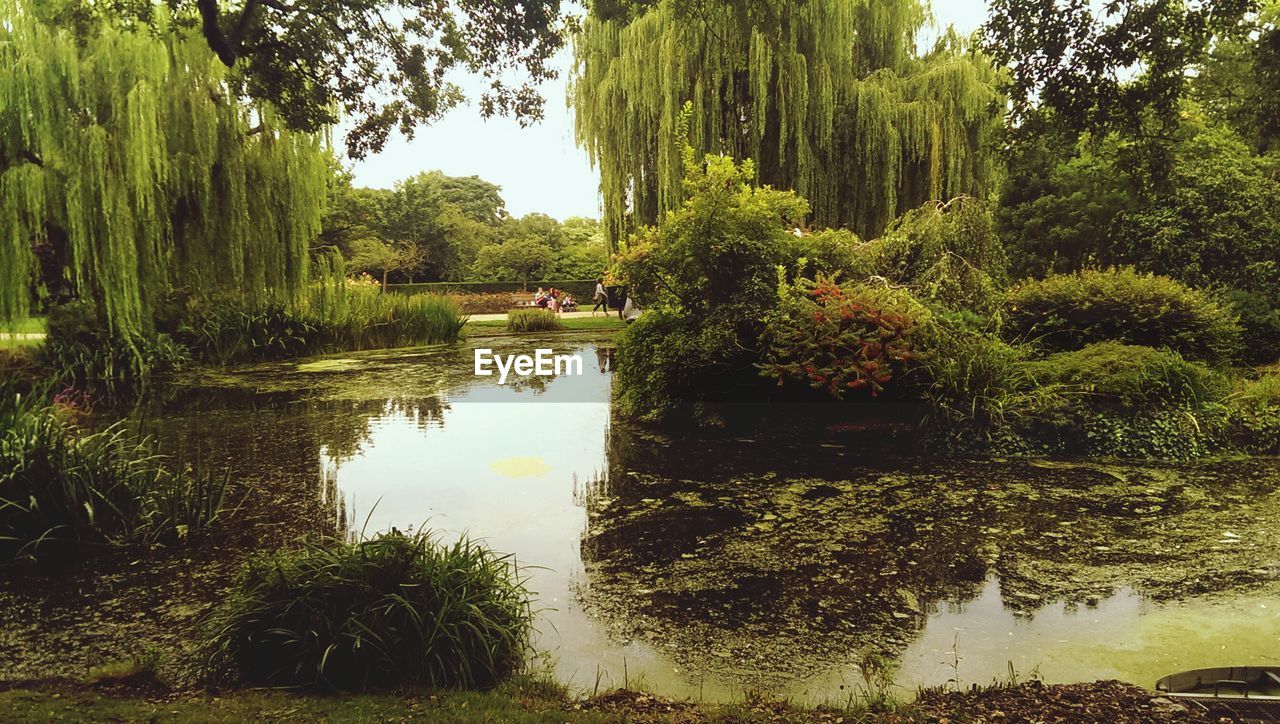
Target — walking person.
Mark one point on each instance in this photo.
(602, 299)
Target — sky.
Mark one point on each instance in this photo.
(539, 168)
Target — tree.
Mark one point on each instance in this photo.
(1219, 222)
(1059, 199)
(144, 173)
(829, 97)
(385, 258)
(381, 63)
(351, 213)
(475, 197)
(514, 260)
(535, 227)
(1239, 82)
(1121, 69)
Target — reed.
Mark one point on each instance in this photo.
(63, 490)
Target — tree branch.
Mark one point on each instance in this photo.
(246, 19)
(213, 35)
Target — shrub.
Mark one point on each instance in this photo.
(1130, 377)
(395, 610)
(1260, 326)
(1066, 312)
(669, 362)
(947, 253)
(708, 275)
(840, 338)
(1255, 416)
(1127, 400)
(489, 302)
(532, 320)
(61, 490)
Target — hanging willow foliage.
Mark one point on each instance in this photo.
(128, 152)
(829, 97)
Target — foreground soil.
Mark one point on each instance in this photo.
(142, 699)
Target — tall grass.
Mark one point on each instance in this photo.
(62, 490)
(334, 315)
(532, 320)
(355, 316)
(395, 610)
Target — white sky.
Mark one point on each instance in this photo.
(539, 168)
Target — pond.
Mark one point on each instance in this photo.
(800, 562)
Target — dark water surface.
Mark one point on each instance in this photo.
(701, 566)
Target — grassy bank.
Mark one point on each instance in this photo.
(529, 700)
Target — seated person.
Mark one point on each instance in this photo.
(567, 304)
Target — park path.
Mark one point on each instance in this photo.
(503, 316)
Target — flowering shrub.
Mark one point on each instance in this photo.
(841, 338)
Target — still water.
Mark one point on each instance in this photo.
(701, 566)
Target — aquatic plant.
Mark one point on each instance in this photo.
(394, 610)
(62, 490)
(532, 320)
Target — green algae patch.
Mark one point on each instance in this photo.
(379, 374)
(520, 467)
(772, 573)
(330, 365)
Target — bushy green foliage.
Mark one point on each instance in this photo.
(1111, 375)
(1217, 216)
(669, 361)
(62, 489)
(1066, 312)
(393, 611)
(708, 276)
(532, 320)
(840, 339)
(1126, 400)
(1259, 326)
(948, 254)
(1255, 416)
(1058, 202)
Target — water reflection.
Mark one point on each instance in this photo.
(700, 565)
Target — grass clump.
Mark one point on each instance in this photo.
(532, 320)
(392, 611)
(62, 490)
(1066, 312)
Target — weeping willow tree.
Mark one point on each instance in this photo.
(128, 156)
(829, 97)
